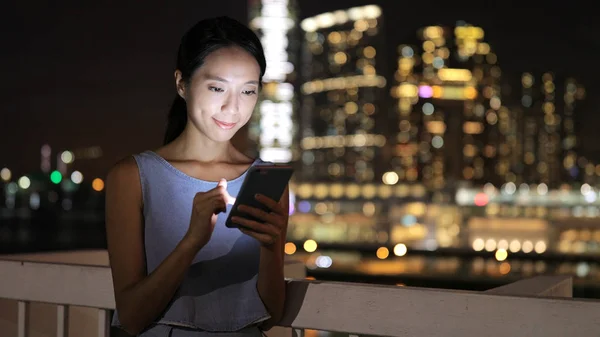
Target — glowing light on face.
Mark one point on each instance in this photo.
(223, 93)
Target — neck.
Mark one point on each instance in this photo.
(195, 145)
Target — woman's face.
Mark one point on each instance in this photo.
(222, 93)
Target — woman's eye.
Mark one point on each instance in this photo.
(249, 92)
(215, 89)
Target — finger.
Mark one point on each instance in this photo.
(265, 239)
(219, 191)
(255, 226)
(218, 204)
(223, 185)
(271, 204)
(257, 213)
(203, 196)
(214, 205)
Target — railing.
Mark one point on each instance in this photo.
(542, 306)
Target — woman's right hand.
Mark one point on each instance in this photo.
(206, 206)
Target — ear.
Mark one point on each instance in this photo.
(179, 84)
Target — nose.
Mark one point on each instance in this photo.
(231, 104)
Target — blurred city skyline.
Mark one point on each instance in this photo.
(77, 77)
(439, 139)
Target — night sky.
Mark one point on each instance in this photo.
(85, 74)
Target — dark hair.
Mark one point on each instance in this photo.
(202, 39)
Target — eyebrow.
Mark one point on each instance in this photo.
(221, 79)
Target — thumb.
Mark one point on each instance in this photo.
(223, 183)
(228, 198)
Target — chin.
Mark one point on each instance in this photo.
(222, 136)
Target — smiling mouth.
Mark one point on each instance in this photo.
(223, 125)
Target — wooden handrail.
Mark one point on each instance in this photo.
(350, 307)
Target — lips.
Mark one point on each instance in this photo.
(224, 125)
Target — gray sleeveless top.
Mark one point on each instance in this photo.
(218, 293)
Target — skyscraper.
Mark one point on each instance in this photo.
(272, 126)
(546, 140)
(448, 108)
(343, 120)
(343, 115)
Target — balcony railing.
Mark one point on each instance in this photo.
(542, 306)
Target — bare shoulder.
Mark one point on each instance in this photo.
(124, 171)
(123, 180)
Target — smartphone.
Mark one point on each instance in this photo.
(268, 180)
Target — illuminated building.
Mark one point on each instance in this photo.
(548, 166)
(486, 124)
(574, 92)
(343, 115)
(530, 218)
(454, 126)
(272, 126)
(546, 143)
(451, 122)
(343, 120)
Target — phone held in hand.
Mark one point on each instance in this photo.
(268, 180)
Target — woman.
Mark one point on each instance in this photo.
(177, 270)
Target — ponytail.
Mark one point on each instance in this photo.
(177, 119)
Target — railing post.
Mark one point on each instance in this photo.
(23, 319)
(62, 321)
(103, 323)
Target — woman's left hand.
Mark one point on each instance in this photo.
(271, 225)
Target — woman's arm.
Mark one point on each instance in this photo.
(271, 283)
(140, 298)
